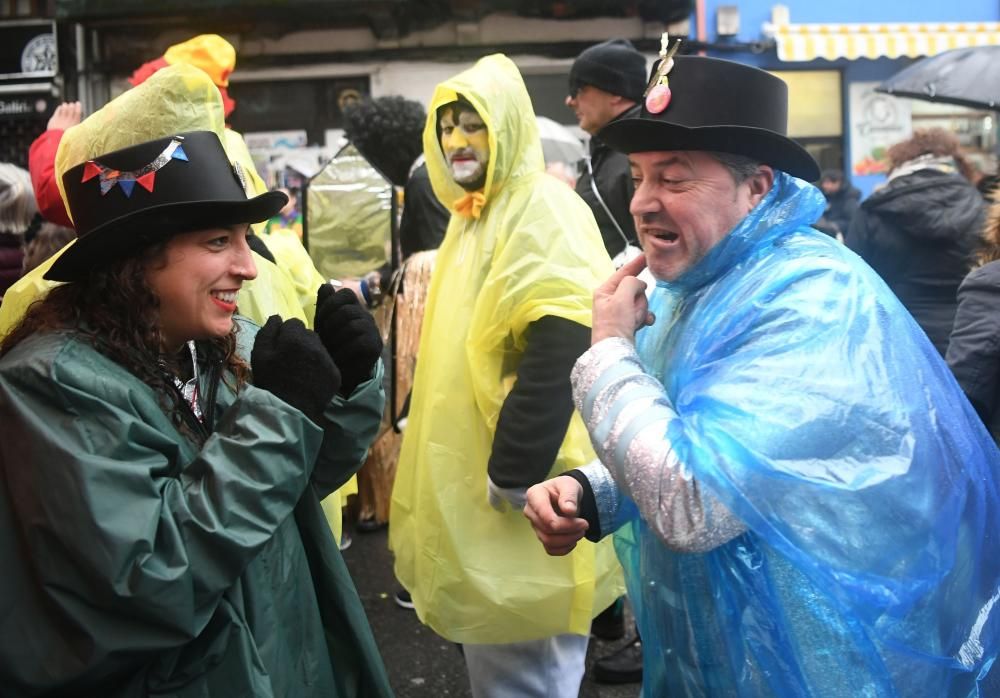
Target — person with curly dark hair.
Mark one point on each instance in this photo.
(921, 230)
(388, 132)
(163, 459)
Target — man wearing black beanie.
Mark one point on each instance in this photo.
(606, 81)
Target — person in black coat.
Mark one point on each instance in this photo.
(974, 346)
(920, 231)
(842, 201)
(606, 82)
(424, 218)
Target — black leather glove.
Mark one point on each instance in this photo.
(349, 333)
(290, 361)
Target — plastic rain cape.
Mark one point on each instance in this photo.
(813, 406)
(478, 575)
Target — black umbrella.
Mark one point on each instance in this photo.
(969, 77)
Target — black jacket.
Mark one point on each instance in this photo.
(614, 182)
(536, 412)
(424, 219)
(920, 233)
(974, 348)
(840, 209)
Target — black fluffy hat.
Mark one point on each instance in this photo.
(719, 106)
(613, 66)
(128, 199)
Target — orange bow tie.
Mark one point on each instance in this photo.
(470, 205)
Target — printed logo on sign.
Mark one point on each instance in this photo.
(14, 107)
(39, 56)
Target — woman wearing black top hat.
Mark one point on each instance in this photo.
(163, 461)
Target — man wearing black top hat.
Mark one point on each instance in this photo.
(802, 500)
(605, 83)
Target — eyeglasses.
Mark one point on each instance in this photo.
(574, 88)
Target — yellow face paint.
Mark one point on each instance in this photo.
(466, 147)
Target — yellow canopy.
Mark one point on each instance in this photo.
(805, 42)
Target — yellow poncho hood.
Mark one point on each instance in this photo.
(515, 150)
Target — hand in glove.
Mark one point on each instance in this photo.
(349, 333)
(291, 362)
(500, 497)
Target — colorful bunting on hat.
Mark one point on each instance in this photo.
(657, 92)
(145, 176)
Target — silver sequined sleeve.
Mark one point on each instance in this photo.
(627, 412)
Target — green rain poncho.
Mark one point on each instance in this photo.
(140, 562)
(477, 575)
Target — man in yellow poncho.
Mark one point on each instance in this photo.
(507, 313)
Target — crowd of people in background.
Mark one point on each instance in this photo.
(707, 380)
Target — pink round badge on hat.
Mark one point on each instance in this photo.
(658, 99)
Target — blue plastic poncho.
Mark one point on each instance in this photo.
(812, 405)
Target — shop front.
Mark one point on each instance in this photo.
(865, 55)
(28, 88)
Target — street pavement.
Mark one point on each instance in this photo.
(421, 664)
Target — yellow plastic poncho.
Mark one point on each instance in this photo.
(477, 575)
(289, 254)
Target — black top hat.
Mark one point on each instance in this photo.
(720, 106)
(128, 199)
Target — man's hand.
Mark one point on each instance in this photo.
(620, 307)
(66, 114)
(551, 508)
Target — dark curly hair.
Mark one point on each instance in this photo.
(389, 133)
(117, 313)
(929, 141)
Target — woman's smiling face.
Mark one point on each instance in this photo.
(196, 280)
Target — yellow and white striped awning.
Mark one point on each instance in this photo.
(804, 42)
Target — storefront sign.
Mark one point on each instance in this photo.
(877, 121)
(21, 106)
(28, 50)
